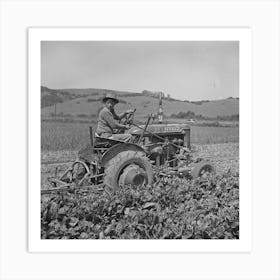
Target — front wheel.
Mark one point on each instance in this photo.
(128, 168)
(202, 169)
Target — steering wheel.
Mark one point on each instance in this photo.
(129, 118)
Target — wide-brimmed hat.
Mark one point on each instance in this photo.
(110, 95)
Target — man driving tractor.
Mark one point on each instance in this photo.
(108, 120)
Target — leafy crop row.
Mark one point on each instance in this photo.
(171, 208)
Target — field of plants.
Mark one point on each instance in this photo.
(171, 208)
(56, 136)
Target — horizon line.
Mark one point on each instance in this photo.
(125, 91)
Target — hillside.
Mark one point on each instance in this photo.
(78, 102)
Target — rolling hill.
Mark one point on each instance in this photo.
(82, 102)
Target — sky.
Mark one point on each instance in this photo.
(185, 70)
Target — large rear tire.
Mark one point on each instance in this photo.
(128, 167)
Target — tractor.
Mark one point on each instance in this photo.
(157, 148)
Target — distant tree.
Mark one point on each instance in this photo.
(188, 115)
(145, 92)
(229, 118)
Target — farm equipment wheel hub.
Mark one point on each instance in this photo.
(203, 169)
(133, 175)
(78, 173)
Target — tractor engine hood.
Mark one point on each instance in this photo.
(160, 129)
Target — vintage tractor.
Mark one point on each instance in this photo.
(162, 149)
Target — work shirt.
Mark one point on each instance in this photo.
(107, 121)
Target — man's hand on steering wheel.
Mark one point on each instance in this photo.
(129, 116)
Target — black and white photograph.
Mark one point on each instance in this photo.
(140, 139)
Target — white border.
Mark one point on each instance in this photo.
(243, 35)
